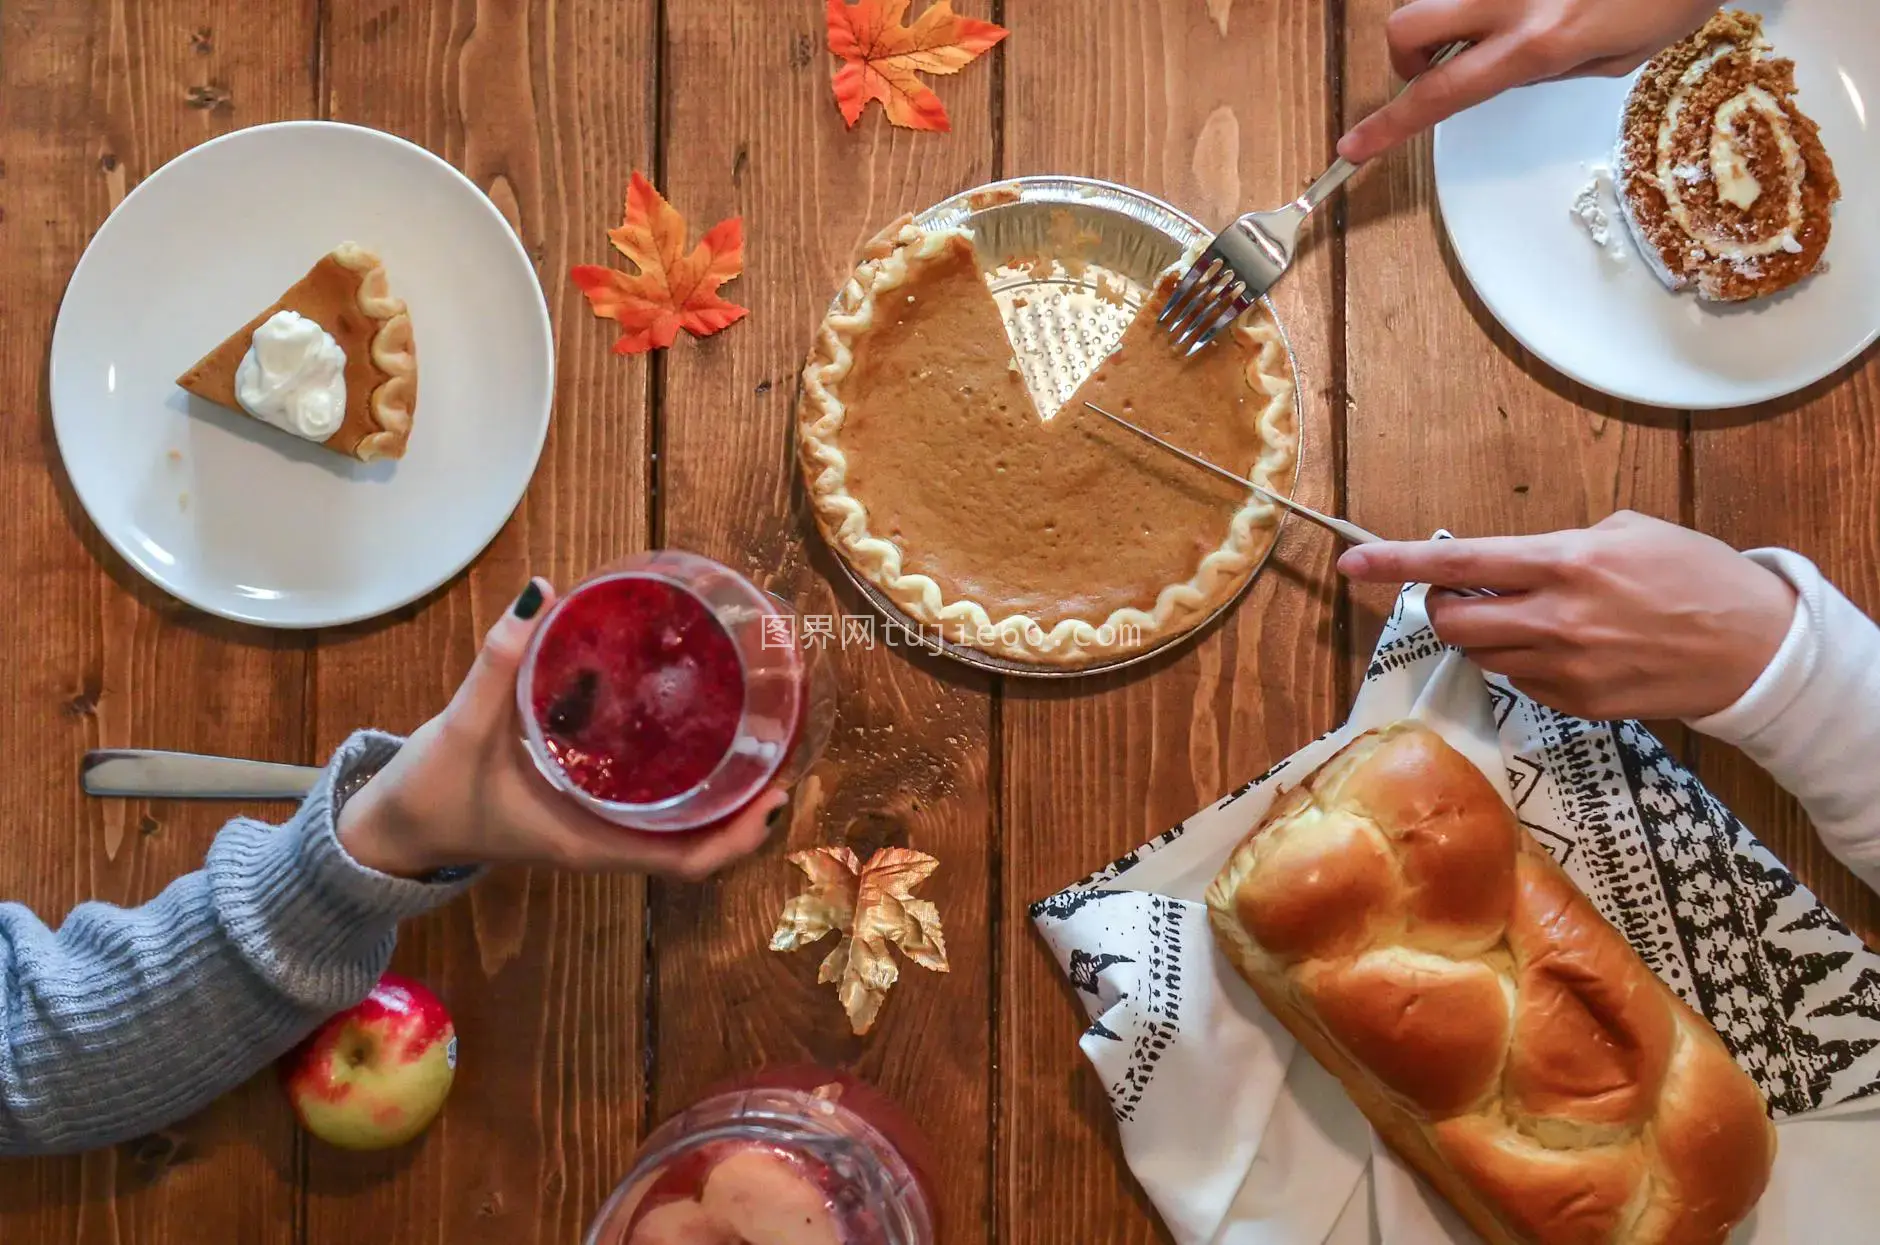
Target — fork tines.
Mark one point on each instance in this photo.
(1208, 298)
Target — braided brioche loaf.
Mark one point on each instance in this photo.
(1495, 1029)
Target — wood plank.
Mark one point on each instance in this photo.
(1217, 111)
(537, 103)
(753, 129)
(1453, 424)
(93, 98)
(1803, 475)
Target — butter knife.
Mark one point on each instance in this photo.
(190, 776)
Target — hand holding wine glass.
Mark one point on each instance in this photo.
(464, 791)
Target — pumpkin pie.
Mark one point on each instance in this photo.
(1060, 541)
(347, 295)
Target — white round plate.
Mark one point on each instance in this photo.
(1506, 176)
(238, 518)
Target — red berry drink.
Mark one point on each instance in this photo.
(638, 690)
(793, 1157)
(667, 693)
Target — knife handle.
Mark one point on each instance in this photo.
(190, 776)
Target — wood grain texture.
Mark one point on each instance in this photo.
(1418, 412)
(752, 129)
(1155, 95)
(93, 98)
(1754, 488)
(538, 103)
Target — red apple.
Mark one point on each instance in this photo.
(376, 1074)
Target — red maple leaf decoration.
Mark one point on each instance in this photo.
(879, 57)
(671, 290)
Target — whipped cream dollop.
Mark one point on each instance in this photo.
(1595, 206)
(294, 377)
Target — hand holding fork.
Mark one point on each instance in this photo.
(1247, 257)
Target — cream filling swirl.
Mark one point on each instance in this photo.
(1729, 166)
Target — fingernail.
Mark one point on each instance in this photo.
(530, 601)
(777, 816)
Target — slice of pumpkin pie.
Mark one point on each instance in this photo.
(332, 361)
(1063, 541)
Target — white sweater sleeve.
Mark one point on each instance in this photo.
(1812, 719)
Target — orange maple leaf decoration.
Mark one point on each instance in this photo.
(879, 57)
(671, 290)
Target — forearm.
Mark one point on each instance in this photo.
(1813, 718)
(125, 1020)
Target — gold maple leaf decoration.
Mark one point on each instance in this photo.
(870, 906)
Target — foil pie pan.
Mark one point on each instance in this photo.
(1071, 261)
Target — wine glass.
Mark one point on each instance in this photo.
(667, 692)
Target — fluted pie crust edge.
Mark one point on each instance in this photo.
(888, 262)
(394, 352)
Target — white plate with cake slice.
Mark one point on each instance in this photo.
(302, 374)
(1525, 180)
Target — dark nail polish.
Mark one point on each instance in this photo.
(530, 601)
(777, 816)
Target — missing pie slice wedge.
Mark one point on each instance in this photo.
(358, 401)
(1062, 542)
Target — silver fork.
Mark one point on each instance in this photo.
(1249, 256)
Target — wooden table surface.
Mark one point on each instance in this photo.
(591, 1008)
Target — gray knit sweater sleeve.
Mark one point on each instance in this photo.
(126, 1020)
